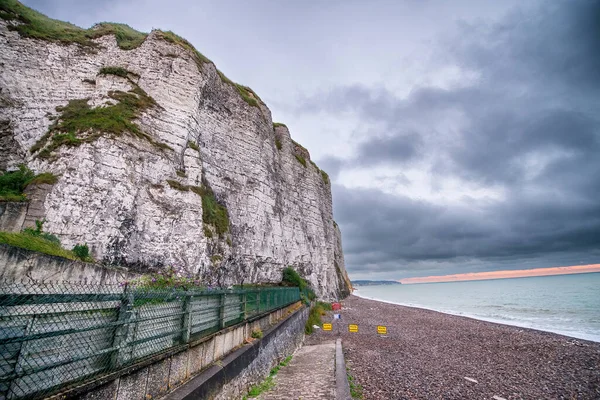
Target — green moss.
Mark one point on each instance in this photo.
(181, 173)
(278, 143)
(207, 231)
(36, 243)
(38, 26)
(325, 177)
(178, 186)
(79, 123)
(193, 146)
(300, 159)
(276, 124)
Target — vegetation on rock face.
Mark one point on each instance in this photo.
(79, 123)
(169, 279)
(214, 213)
(278, 144)
(82, 251)
(291, 278)
(33, 24)
(13, 183)
(35, 239)
(300, 159)
(193, 146)
(178, 186)
(276, 124)
(118, 71)
(325, 176)
(245, 92)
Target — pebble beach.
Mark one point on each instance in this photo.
(430, 355)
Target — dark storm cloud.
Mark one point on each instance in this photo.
(532, 127)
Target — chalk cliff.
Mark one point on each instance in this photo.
(161, 160)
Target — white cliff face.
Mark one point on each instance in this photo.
(113, 194)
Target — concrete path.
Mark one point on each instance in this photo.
(310, 375)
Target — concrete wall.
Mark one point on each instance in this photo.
(17, 264)
(12, 216)
(284, 332)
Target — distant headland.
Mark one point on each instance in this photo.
(373, 283)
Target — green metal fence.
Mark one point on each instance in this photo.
(58, 334)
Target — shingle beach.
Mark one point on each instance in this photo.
(431, 355)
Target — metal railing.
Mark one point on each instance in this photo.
(53, 335)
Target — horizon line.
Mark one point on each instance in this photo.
(503, 274)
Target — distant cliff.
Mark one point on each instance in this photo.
(161, 159)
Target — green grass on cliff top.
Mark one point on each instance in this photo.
(38, 26)
(33, 24)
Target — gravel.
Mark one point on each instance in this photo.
(431, 355)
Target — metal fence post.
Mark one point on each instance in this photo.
(222, 312)
(186, 318)
(120, 335)
(245, 300)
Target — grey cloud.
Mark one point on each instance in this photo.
(533, 107)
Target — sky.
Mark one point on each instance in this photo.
(460, 136)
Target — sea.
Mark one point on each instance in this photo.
(564, 304)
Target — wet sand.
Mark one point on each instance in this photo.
(428, 355)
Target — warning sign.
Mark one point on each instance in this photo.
(352, 328)
(382, 330)
(326, 327)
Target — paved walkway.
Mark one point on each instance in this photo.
(310, 375)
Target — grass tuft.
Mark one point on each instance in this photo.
(34, 243)
(35, 25)
(356, 390)
(269, 382)
(177, 186)
(278, 144)
(276, 124)
(193, 146)
(300, 159)
(118, 71)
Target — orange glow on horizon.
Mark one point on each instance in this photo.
(520, 273)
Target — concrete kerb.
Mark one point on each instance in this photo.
(342, 387)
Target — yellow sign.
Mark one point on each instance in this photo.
(382, 330)
(326, 327)
(353, 328)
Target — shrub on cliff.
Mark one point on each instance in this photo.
(12, 184)
(82, 251)
(292, 278)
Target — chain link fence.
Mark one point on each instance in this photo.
(53, 335)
